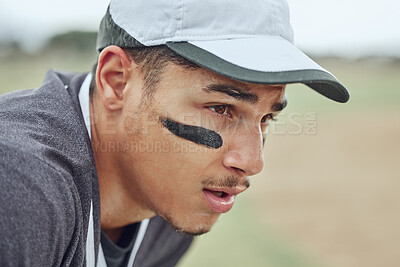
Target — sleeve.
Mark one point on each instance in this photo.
(36, 218)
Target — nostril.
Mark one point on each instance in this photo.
(238, 170)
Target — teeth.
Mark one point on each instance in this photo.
(218, 194)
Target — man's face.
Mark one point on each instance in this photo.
(189, 150)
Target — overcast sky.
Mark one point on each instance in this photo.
(342, 27)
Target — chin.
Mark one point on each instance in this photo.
(192, 227)
(192, 232)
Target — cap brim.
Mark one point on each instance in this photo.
(261, 60)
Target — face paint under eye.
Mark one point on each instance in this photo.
(198, 135)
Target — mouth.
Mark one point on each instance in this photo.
(221, 200)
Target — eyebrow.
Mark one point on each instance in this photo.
(278, 106)
(232, 91)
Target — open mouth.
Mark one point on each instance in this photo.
(219, 201)
(217, 193)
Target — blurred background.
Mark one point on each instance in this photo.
(329, 194)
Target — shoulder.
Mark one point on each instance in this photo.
(47, 124)
(26, 178)
(25, 169)
(54, 88)
(35, 107)
(37, 210)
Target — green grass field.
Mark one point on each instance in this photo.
(263, 229)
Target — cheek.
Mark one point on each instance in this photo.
(166, 167)
(162, 161)
(171, 180)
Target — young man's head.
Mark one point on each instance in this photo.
(182, 102)
(188, 149)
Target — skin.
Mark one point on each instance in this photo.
(144, 169)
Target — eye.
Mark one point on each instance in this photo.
(267, 118)
(221, 109)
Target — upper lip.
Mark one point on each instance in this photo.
(228, 190)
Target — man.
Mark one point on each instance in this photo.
(122, 166)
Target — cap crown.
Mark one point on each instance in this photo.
(155, 22)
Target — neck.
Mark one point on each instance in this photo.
(118, 204)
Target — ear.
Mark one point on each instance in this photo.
(112, 74)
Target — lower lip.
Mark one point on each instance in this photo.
(219, 204)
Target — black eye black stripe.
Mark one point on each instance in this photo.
(196, 134)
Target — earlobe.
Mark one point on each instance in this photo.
(112, 75)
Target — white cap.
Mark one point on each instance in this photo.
(250, 41)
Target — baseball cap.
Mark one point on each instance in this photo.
(250, 41)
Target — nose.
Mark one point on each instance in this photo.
(244, 153)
